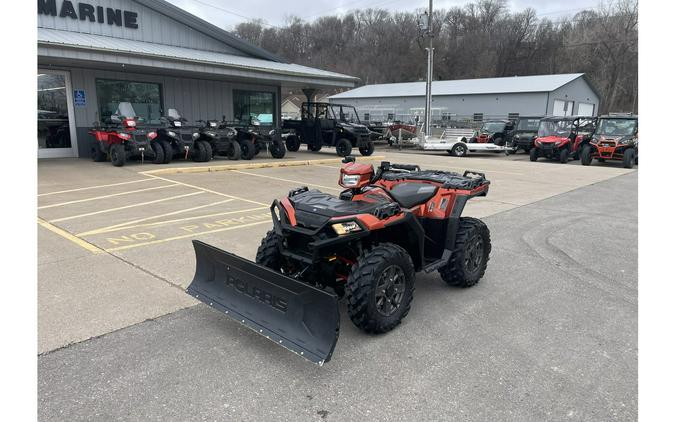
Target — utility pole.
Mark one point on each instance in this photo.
(430, 69)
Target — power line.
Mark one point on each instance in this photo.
(236, 14)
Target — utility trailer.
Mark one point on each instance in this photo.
(456, 141)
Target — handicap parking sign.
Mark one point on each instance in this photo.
(79, 97)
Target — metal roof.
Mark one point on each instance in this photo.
(90, 42)
(198, 24)
(513, 84)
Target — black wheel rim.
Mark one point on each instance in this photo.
(473, 255)
(389, 290)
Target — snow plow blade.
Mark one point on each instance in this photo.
(293, 314)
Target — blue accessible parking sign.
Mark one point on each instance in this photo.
(79, 97)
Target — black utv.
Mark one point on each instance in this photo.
(325, 124)
(523, 136)
(498, 132)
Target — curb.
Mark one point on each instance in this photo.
(244, 166)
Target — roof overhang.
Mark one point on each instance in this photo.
(78, 49)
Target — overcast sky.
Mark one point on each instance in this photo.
(227, 14)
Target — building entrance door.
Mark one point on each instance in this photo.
(55, 120)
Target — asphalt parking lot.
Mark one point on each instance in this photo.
(550, 333)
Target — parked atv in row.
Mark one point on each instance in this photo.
(120, 138)
(561, 138)
(616, 138)
(221, 139)
(326, 124)
(254, 138)
(365, 245)
(176, 137)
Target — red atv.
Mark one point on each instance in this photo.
(616, 138)
(561, 138)
(365, 245)
(121, 139)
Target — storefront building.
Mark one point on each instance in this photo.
(93, 55)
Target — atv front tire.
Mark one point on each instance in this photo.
(202, 152)
(380, 288)
(277, 148)
(159, 152)
(247, 149)
(269, 254)
(343, 147)
(168, 151)
(471, 254)
(368, 149)
(292, 143)
(234, 151)
(117, 155)
(564, 156)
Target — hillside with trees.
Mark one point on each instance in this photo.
(479, 40)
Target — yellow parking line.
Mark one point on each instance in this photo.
(76, 240)
(207, 190)
(95, 187)
(125, 207)
(159, 223)
(169, 239)
(77, 201)
(287, 180)
(152, 217)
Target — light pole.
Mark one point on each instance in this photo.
(430, 71)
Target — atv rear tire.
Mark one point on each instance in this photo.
(269, 254)
(459, 150)
(380, 288)
(628, 158)
(159, 152)
(117, 155)
(97, 154)
(247, 149)
(367, 150)
(168, 151)
(471, 254)
(586, 155)
(234, 151)
(343, 147)
(534, 154)
(277, 148)
(564, 155)
(314, 147)
(292, 143)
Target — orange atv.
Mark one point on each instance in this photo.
(365, 245)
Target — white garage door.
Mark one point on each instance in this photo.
(586, 109)
(562, 107)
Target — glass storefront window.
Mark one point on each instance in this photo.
(145, 97)
(52, 111)
(254, 107)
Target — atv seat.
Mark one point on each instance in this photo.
(411, 194)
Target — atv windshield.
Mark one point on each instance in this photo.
(528, 125)
(616, 127)
(173, 114)
(126, 111)
(554, 128)
(345, 113)
(493, 127)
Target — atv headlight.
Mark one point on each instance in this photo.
(349, 180)
(172, 134)
(624, 141)
(177, 123)
(346, 227)
(213, 124)
(195, 135)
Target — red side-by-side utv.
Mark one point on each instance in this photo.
(561, 138)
